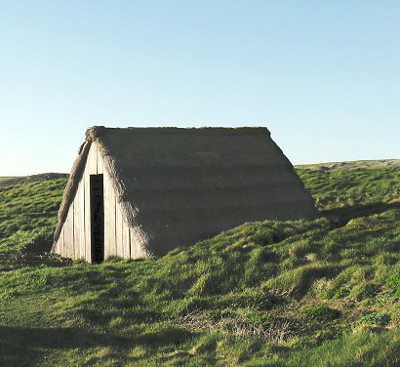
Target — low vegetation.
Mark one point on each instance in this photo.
(300, 293)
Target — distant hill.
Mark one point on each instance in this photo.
(351, 164)
(5, 181)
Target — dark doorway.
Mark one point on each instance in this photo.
(97, 217)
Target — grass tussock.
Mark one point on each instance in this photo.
(300, 293)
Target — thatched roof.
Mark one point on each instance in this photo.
(182, 185)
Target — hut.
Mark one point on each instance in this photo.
(138, 192)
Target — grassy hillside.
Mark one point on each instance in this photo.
(6, 178)
(6, 181)
(301, 293)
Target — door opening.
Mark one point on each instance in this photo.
(97, 217)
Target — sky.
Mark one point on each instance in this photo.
(322, 76)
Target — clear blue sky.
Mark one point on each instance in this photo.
(323, 75)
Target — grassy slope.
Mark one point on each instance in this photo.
(319, 293)
(6, 178)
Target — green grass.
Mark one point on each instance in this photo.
(300, 293)
(28, 215)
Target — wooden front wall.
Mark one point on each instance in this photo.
(75, 237)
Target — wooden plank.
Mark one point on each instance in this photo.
(62, 244)
(58, 248)
(93, 163)
(77, 215)
(109, 218)
(63, 252)
(136, 249)
(112, 217)
(71, 215)
(126, 243)
(89, 169)
(88, 235)
(65, 243)
(100, 163)
(82, 243)
(68, 236)
(133, 245)
(118, 231)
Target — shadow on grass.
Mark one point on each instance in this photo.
(35, 253)
(345, 214)
(27, 346)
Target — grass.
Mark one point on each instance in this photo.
(300, 293)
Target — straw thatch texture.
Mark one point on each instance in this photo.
(177, 186)
(72, 186)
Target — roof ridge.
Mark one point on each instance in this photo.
(94, 132)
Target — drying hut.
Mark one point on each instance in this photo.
(137, 192)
